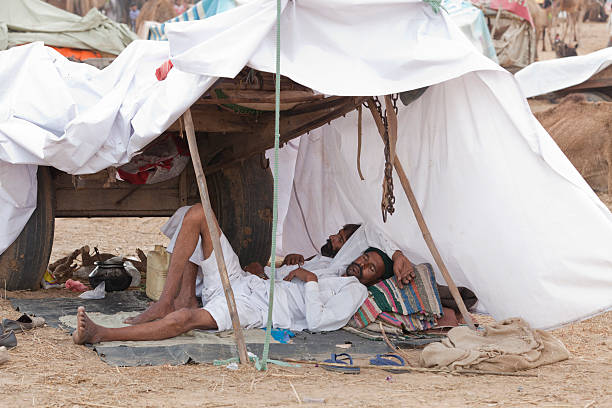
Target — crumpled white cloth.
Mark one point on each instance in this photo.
(551, 75)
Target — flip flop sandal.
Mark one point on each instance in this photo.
(24, 322)
(387, 360)
(342, 358)
(8, 339)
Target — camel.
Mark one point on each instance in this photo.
(574, 10)
(541, 20)
(583, 131)
(594, 11)
(155, 10)
(82, 7)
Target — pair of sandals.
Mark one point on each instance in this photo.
(344, 363)
(10, 327)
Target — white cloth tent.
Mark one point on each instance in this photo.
(551, 75)
(512, 218)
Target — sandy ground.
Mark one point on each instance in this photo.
(591, 37)
(48, 370)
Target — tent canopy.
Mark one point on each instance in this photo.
(26, 21)
(513, 220)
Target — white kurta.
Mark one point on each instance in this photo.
(365, 236)
(316, 306)
(323, 266)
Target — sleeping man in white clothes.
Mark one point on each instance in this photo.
(317, 300)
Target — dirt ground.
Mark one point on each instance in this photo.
(48, 370)
(591, 37)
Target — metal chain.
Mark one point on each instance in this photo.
(388, 198)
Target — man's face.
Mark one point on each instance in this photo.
(369, 268)
(334, 243)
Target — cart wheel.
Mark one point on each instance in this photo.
(23, 263)
(241, 197)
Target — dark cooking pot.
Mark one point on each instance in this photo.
(111, 272)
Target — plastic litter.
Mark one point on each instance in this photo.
(135, 273)
(75, 286)
(49, 282)
(232, 366)
(98, 293)
(4, 356)
(307, 400)
(282, 335)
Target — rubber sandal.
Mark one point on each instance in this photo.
(387, 360)
(24, 322)
(336, 359)
(8, 339)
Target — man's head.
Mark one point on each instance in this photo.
(335, 241)
(371, 267)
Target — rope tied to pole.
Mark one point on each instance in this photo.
(266, 348)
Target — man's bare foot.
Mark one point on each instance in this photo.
(86, 331)
(157, 310)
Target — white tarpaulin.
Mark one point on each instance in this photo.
(513, 220)
(511, 216)
(548, 76)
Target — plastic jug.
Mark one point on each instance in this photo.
(158, 262)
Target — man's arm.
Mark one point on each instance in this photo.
(255, 268)
(348, 296)
(338, 310)
(295, 259)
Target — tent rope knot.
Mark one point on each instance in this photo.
(436, 5)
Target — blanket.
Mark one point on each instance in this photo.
(509, 345)
(414, 308)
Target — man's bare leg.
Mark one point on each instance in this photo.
(194, 226)
(173, 324)
(186, 298)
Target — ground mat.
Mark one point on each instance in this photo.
(197, 346)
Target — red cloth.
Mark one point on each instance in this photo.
(162, 72)
(515, 7)
(75, 286)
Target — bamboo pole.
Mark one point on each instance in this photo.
(214, 235)
(421, 221)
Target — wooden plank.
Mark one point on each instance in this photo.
(94, 202)
(602, 79)
(212, 118)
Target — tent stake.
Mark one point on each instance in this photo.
(214, 235)
(419, 216)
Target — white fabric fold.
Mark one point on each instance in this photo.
(548, 76)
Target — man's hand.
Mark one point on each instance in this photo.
(256, 269)
(294, 259)
(403, 269)
(302, 274)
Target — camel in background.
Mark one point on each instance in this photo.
(82, 7)
(574, 10)
(542, 19)
(155, 10)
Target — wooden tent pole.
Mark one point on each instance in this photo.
(214, 235)
(419, 216)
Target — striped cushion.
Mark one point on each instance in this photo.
(415, 307)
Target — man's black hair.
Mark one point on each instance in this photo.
(387, 262)
(327, 249)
